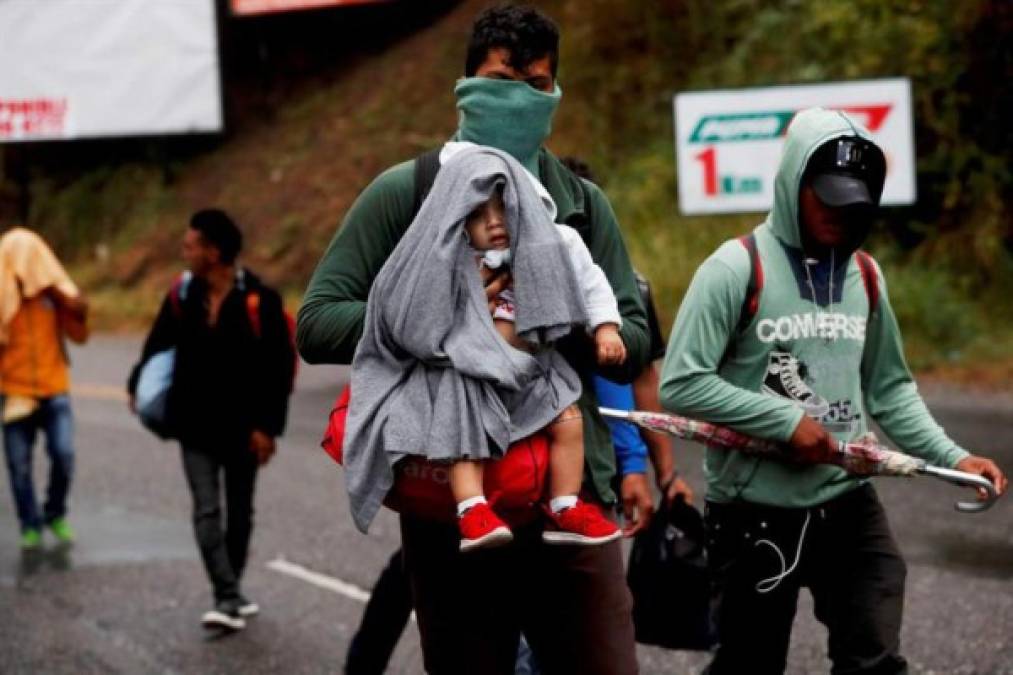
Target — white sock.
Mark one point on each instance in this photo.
(557, 504)
(468, 503)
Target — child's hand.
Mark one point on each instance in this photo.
(608, 344)
(495, 282)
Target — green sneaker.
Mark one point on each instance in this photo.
(31, 539)
(62, 530)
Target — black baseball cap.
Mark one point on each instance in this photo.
(847, 171)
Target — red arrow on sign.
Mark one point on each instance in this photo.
(872, 115)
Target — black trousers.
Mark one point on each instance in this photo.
(571, 602)
(385, 618)
(848, 560)
(223, 548)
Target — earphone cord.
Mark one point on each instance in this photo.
(770, 583)
(808, 263)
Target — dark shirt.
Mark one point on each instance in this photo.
(228, 379)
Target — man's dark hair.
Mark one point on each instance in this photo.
(220, 231)
(528, 34)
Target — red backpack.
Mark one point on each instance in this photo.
(514, 485)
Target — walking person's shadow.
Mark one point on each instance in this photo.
(34, 561)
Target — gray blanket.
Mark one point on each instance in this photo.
(431, 375)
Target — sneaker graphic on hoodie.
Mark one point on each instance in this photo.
(785, 378)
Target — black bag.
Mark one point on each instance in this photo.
(668, 578)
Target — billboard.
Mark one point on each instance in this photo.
(728, 142)
(75, 69)
(249, 7)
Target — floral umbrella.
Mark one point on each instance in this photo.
(863, 457)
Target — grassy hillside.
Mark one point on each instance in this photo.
(948, 260)
(335, 100)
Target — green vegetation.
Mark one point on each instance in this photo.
(299, 153)
(948, 260)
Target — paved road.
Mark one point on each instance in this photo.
(127, 598)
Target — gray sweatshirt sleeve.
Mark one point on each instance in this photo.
(690, 383)
(891, 395)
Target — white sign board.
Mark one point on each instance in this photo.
(728, 143)
(76, 69)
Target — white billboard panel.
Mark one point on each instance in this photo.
(728, 142)
(76, 69)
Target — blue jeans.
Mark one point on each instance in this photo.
(53, 417)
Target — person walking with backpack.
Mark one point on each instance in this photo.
(39, 308)
(788, 334)
(228, 399)
(571, 602)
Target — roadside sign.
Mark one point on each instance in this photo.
(75, 69)
(728, 142)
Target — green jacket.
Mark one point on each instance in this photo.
(331, 318)
(812, 348)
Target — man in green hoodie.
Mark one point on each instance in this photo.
(572, 603)
(796, 342)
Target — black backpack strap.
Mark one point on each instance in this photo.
(427, 165)
(870, 279)
(655, 339)
(751, 303)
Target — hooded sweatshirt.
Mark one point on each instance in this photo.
(813, 347)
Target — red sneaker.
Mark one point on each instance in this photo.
(481, 527)
(582, 524)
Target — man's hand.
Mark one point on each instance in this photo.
(609, 345)
(672, 486)
(638, 505)
(496, 281)
(982, 466)
(262, 446)
(811, 441)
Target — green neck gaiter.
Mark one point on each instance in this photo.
(508, 115)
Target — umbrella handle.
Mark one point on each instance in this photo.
(964, 479)
(615, 414)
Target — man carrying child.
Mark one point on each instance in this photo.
(571, 602)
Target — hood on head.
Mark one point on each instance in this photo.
(475, 172)
(810, 129)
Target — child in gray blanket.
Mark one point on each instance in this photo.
(573, 521)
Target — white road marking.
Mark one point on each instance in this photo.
(330, 583)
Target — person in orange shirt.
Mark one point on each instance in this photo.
(39, 307)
